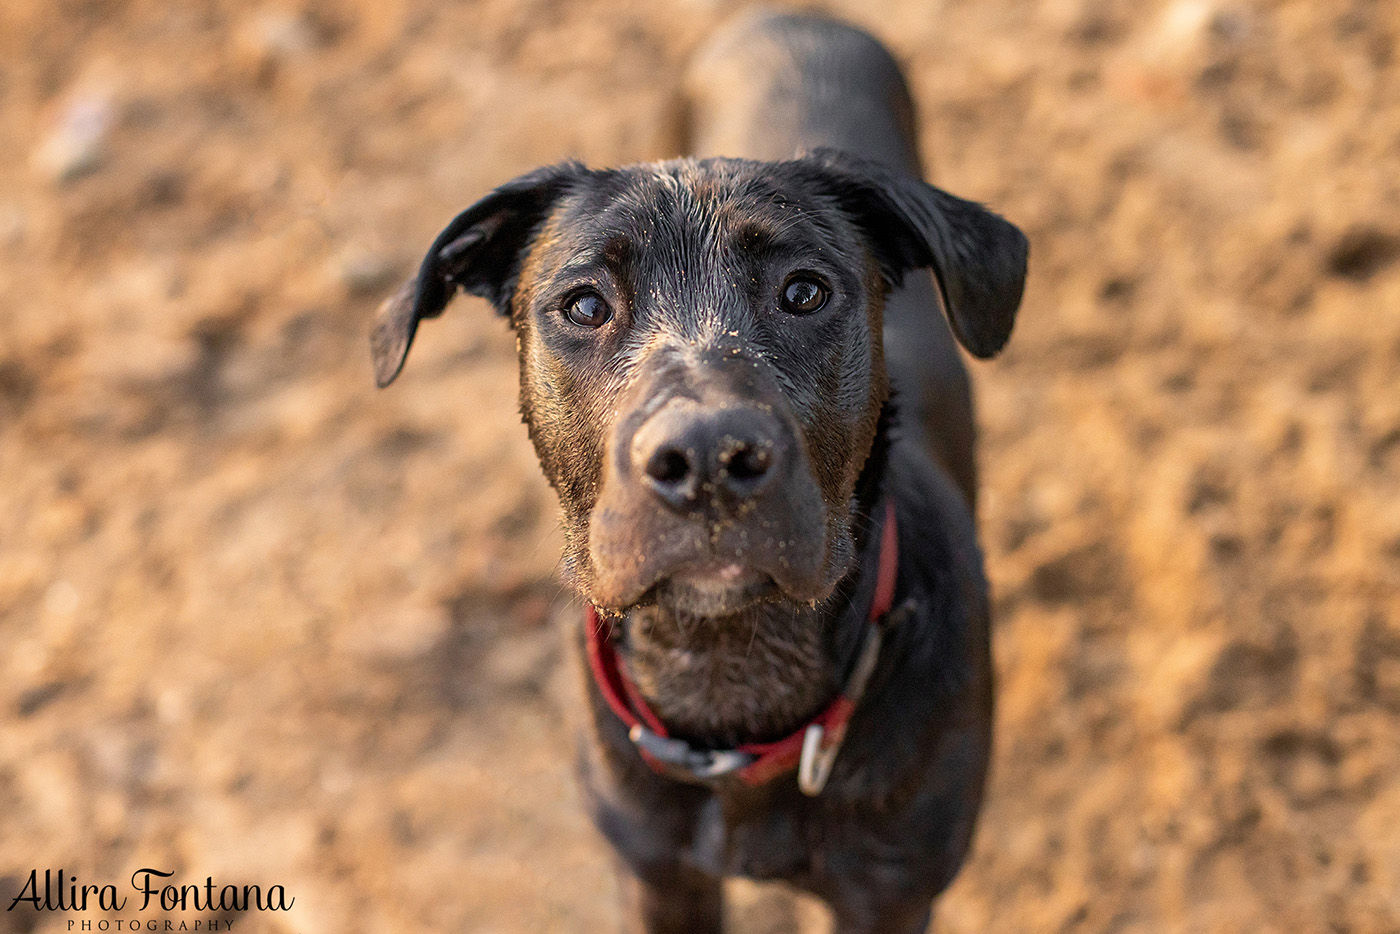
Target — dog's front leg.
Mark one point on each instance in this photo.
(670, 899)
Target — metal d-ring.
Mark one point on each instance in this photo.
(815, 766)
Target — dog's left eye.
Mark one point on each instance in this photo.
(804, 295)
(588, 310)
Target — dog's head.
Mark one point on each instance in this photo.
(701, 365)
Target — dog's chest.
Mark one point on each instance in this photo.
(758, 837)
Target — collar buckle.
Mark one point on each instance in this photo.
(677, 753)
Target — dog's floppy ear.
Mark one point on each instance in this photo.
(978, 258)
(479, 252)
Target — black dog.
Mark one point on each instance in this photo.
(787, 629)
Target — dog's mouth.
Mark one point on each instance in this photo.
(649, 557)
(713, 590)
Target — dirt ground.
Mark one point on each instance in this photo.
(262, 623)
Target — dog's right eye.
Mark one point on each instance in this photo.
(588, 310)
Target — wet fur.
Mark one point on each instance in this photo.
(691, 254)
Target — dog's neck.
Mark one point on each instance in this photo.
(760, 674)
(750, 677)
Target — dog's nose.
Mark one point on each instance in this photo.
(694, 458)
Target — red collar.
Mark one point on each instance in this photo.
(812, 747)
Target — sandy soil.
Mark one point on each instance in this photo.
(263, 623)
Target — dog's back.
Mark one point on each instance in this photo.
(773, 85)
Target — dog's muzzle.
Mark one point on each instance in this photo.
(708, 500)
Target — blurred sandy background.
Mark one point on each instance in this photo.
(263, 623)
